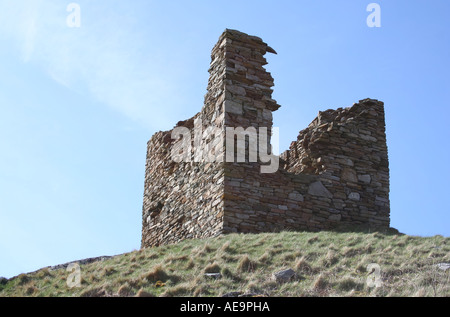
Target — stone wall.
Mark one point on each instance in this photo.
(347, 148)
(335, 173)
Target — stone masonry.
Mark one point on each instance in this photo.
(336, 173)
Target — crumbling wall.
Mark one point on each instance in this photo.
(347, 148)
(336, 173)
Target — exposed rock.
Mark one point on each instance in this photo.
(443, 266)
(284, 276)
(214, 275)
(80, 262)
(232, 294)
(252, 295)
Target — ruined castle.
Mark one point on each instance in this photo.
(336, 172)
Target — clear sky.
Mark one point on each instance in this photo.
(78, 104)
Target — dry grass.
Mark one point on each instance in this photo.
(326, 263)
(246, 265)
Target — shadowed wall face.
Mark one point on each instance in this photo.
(336, 173)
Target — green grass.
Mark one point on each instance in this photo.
(326, 263)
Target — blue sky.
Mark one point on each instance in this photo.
(77, 105)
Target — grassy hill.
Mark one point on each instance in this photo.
(325, 263)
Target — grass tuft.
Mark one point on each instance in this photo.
(156, 274)
(245, 264)
(143, 293)
(302, 265)
(125, 291)
(212, 268)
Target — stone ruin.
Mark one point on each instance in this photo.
(335, 174)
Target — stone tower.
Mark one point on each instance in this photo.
(336, 173)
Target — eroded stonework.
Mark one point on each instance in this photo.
(336, 173)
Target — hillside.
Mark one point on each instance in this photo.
(325, 264)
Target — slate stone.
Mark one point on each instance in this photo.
(296, 196)
(317, 189)
(349, 175)
(354, 196)
(366, 179)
